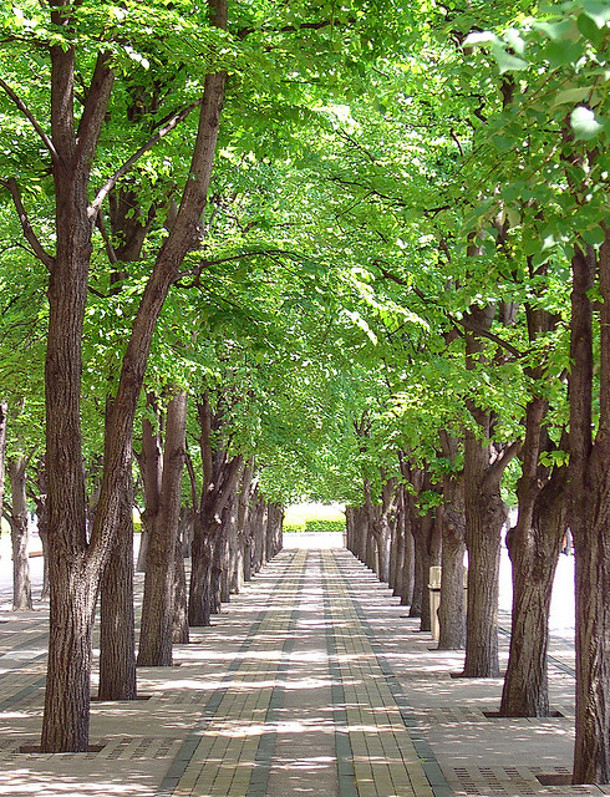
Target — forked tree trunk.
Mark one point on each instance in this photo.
(117, 622)
(486, 513)
(204, 595)
(589, 517)
(22, 588)
(156, 636)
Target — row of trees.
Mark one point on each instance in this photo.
(354, 255)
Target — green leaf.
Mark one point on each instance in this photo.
(572, 96)
(507, 62)
(585, 124)
(598, 11)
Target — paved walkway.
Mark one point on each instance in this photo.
(312, 682)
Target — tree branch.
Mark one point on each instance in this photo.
(495, 471)
(30, 117)
(39, 251)
(113, 180)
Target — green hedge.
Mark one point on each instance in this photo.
(325, 525)
(293, 524)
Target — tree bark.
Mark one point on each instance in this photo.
(451, 612)
(156, 636)
(589, 516)
(75, 565)
(180, 624)
(534, 546)
(207, 532)
(117, 622)
(18, 518)
(484, 464)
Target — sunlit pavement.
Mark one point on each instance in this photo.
(311, 682)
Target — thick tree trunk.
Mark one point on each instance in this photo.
(589, 517)
(534, 551)
(22, 588)
(451, 612)
(486, 513)
(117, 626)
(76, 566)
(204, 593)
(156, 636)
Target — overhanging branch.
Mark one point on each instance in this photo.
(46, 140)
(95, 206)
(38, 249)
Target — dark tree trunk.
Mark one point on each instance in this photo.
(204, 593)
(156, 636)
(534, 550)
(484, 465)
(485, 514)
(22, 589)
(451, 612)
(589, 517)
(151, 469)
(76, 566)
(117, 627)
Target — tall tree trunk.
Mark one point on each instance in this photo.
(156, 636)
(75, 566)
(484, 465)
(22, 589)
(117, 622)
(203, 596)
(534, 549)
(589, 517)
(151, 469)
(451, 612)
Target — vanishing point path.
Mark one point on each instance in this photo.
(312, 682)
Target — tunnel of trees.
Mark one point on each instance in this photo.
(352, 251)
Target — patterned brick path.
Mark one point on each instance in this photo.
(312, 682)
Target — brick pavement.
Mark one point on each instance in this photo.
(312, 682)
